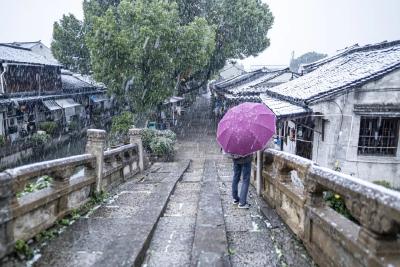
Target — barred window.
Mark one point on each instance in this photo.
(378, 136)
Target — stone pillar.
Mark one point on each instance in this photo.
(135, 138)
(259, 173)
(96, 140)
(6, 197)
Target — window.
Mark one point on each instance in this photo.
(378, 136)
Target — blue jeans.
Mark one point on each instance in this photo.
(238, 169)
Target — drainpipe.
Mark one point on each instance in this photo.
(2, 78)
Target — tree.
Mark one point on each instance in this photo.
(307, 58)
(144, 51)
(241, 30)
(141, 51)
(68, 45)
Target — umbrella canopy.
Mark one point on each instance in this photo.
(246, 128)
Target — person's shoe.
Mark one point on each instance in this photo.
(235, 202)
(244, 206)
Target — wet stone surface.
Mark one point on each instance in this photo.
(253, 240)
(116, 233)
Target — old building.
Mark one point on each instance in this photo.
(344, 113)
(36, 47)
(34, 90)
(231, 69)
(247, 87)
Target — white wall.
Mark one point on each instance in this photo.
(44, 51)
(341, 135)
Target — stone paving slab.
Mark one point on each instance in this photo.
(210, 247)
(172, 241)
(109, 238)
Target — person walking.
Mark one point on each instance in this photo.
(241, 167)
(244, 130)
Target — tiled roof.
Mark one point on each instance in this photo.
(242, 98)
(14, 54)
(264, 81)
(282, 108)
(237, 80)
(27, 45)
(70, 82)
(349, 69)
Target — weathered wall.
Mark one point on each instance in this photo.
(32, 78)
(330, 238)
(341, 135)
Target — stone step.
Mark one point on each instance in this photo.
(117, 233)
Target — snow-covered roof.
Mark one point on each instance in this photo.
(15, 54)
(70, 82)
(349, 69)
(27, 45)
(242, 98)
(282, 108)
(89, 79)
(237, 80)
(266, 80)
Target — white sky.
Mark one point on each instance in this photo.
(326, 26)
(300, 25)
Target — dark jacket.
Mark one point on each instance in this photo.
(243, 160)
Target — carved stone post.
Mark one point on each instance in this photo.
(6, 196)
(259, 172)
(96, 140)
(135, 138)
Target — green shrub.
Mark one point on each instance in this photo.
(337, 203)
(122, 123)
(155, 140)
(147, 137)
(49, 127)
(41, 183)
(168, 134)
(40, 138)
(2, 140)
(23, 249)
(383, 183)
(120, 127)
(161, 146)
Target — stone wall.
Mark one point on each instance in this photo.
(330, 238)
(75, 180)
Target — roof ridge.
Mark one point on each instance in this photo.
(349, 50)
(15, 47)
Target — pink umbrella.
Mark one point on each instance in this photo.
(246, 128)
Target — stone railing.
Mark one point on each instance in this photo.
(74, 180)
(295, 187)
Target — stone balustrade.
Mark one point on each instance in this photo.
(295, 187)
(74, 180)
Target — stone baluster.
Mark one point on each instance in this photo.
(282, 171)
(135, 138)
(6, 197)
(259, 173)
(96, 140)
(61, 180)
